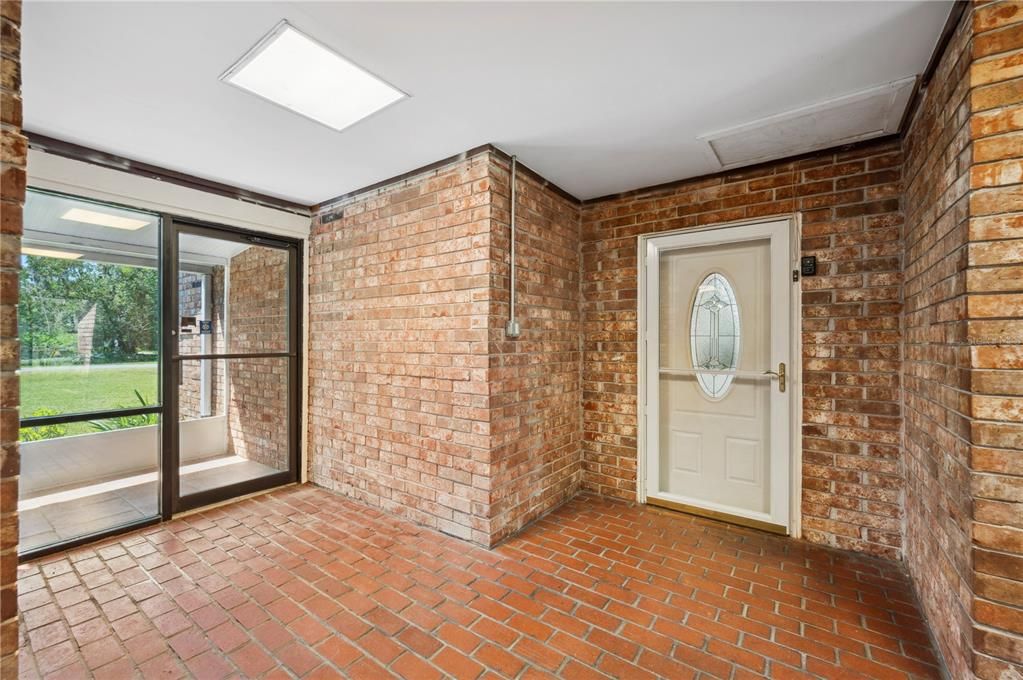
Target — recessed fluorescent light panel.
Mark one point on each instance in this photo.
(46, 252)
(103, 219)
(289, 68)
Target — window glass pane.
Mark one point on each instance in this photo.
(88, 319)
(234, 421)
(232, 297)
(714, 334)
(88, 313)
(84, 484)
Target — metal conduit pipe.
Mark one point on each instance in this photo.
(512, 329)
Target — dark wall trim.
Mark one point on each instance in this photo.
(76, 152)
(540, 179)
(475, 151)
(911, 106)
(947, 31)
(103, 159)
(955, 15)
(65, 418)
(746, 169)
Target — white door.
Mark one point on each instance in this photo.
(717, 337)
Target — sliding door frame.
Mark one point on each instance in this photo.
(168, 483)
(171, 501)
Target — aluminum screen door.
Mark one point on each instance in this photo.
(233, 342)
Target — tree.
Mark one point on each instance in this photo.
(56, 293)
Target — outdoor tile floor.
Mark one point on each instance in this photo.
(303, 583)
(89, 509)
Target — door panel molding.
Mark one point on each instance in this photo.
(785, 494)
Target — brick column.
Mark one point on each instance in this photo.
(994, 319)
(12, 192)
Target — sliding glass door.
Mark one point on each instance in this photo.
(234, 363)
(91, 407)
(159, 367)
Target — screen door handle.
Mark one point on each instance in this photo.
(780, 374)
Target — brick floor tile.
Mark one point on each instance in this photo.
(170, 623)
(308, 629)
(495, 632)
(48, 635)
(367, 669)
(613, 643)
(457, 664)
(540, 654)
(121, 668)
(228, 636)
(209, 666)
(459, 638)
(101, 652)
(209, 616)
(163, 666)
(618, 668)
(297, 658)
(384, 620)
(157, 605)
(574, 670)
(339, 652)
(115, 609)
(349, 625)
(736, 655)
(252, 660)
(146, 646)
(73, 595)
(74, 671)
(81, 612)
(301, 582)
(412, 667)
(188, 643)
(56, 656)
(271, 634)
(499, 660)
(380, 646)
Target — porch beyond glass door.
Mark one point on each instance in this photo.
(235, 303)
(89, 326)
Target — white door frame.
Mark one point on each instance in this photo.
(786, 508)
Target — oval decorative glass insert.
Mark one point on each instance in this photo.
(714, 334)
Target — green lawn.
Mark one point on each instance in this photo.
(74, 389)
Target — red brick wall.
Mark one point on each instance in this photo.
(513, 451)
(399, 365)
(13, 154)
(852, 221)
(257, 320)
(936, 382)
(419, 404)
(536, 422)
(963, 439)
(994, 330)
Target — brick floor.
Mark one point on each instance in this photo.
(301, 582)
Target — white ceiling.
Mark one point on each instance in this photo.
(597, 97)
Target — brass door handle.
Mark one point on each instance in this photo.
(780, 374)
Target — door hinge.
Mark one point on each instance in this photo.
(795, 275)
